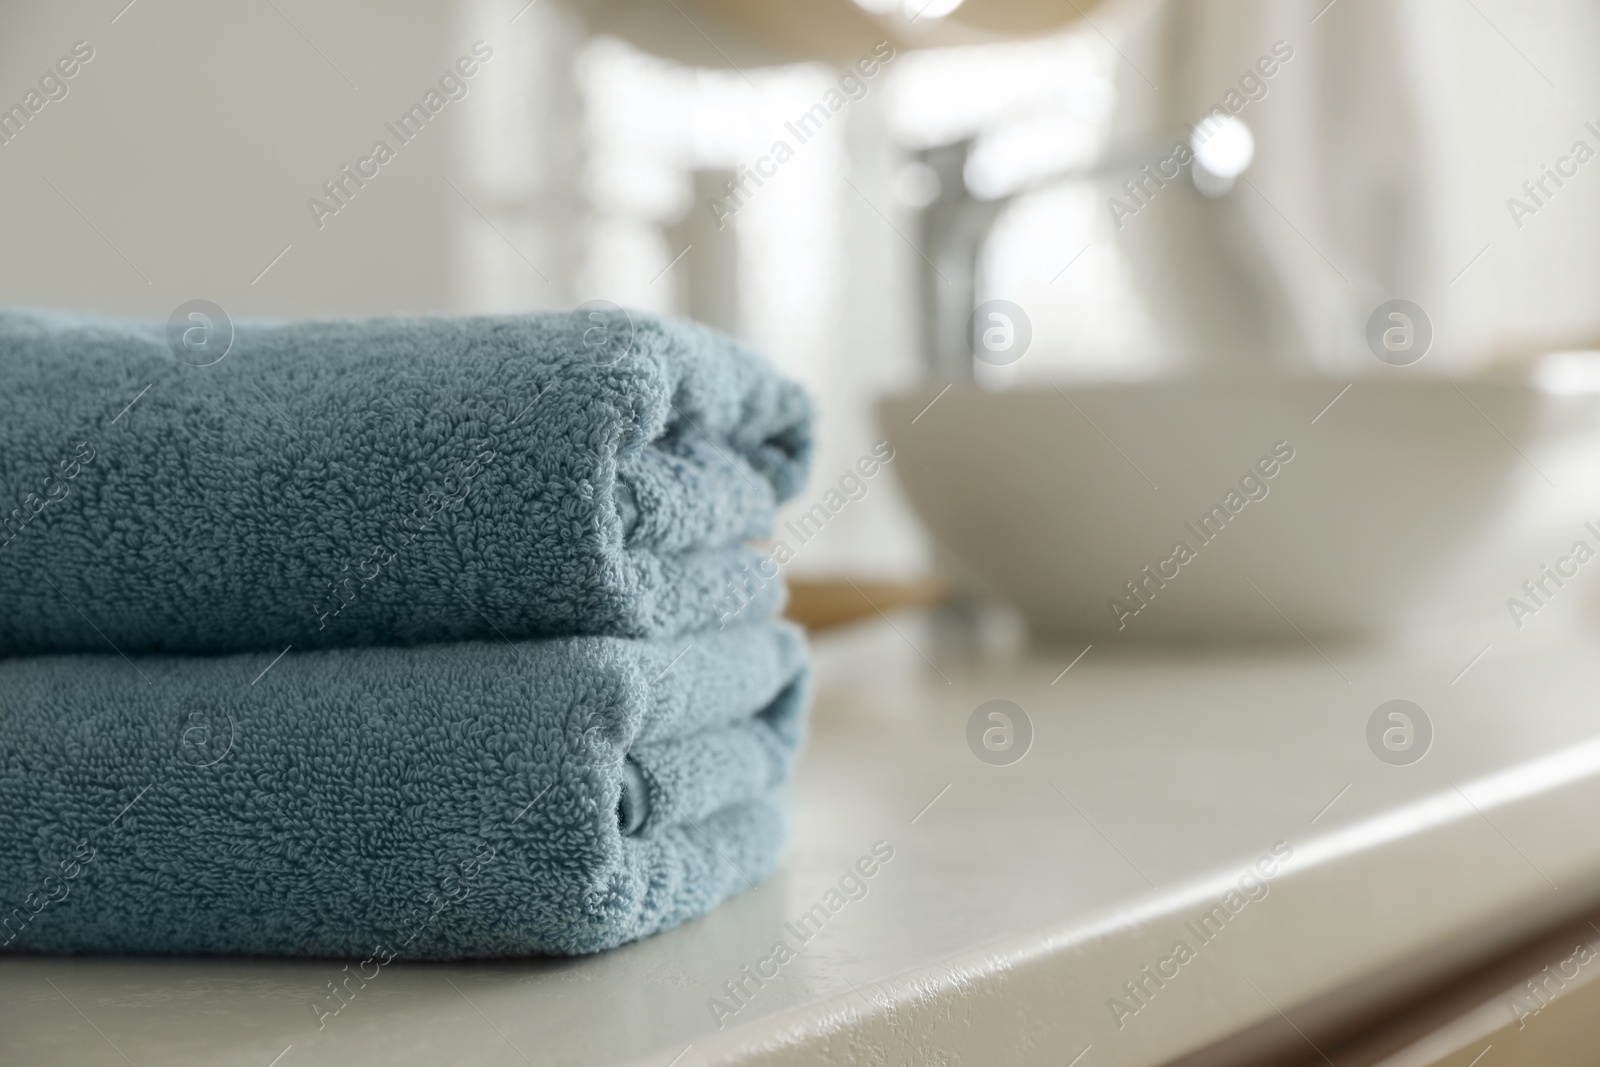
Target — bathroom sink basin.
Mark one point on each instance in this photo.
(1263, 507)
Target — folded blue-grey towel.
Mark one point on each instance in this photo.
(393, 481)
(490, 798)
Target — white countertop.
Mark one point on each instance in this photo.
(1019, 899)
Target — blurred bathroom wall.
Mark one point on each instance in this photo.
(1388, 150)
(180, 162)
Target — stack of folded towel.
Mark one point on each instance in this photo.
(403, 638)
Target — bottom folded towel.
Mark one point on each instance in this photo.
(474, 799)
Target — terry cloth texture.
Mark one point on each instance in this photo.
(475, 799)
(393, 481)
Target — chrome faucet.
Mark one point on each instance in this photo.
(1187, 258)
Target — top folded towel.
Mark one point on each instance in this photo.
(390, 481)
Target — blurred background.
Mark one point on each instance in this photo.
(936, 155)
(1310, 288)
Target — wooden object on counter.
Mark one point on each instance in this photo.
(827, 603)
